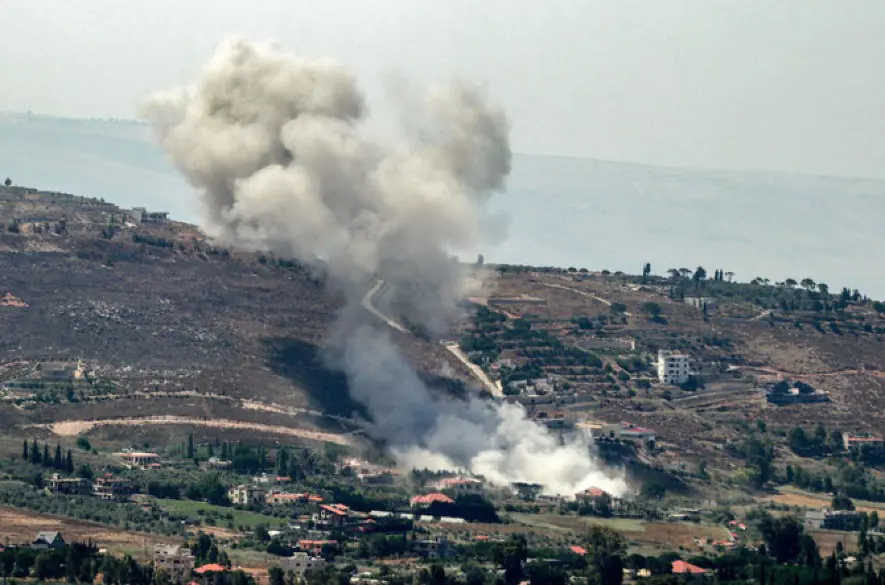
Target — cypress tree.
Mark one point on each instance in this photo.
(57, 462)
(69, 462)
(190, 446)
(25, 450)
(47, 458)
(35, 453)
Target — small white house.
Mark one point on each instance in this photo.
(673, 368)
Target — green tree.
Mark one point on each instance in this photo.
(652, 308)
(25, 450)
(511, 555)
(47, 459)
(189, 453)
(57, 461)
(276, 576)
(8, 182)
(69, 462)
(35, 453)
(606, 550)
(841, 502)
(782, 537)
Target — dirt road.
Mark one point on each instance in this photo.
(494, 388)
(582, 293)
(477, 372)
(370, 306)
(70, 428)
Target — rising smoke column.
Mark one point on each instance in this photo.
(275, 148)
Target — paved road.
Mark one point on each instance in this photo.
(477, 372)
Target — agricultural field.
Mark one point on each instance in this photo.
(226, 517)
(20, 526)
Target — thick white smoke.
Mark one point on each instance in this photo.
(275, 147)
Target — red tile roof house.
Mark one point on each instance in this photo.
(428, 499)
(334, 514)
(210, 568)
(591, 494)
(854, 442)
(683, 568)
(316, 547)
(578, 550)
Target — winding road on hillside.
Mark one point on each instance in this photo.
(583, 293)
(494, 388)
(368, 303)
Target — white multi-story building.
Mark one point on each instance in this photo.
(673, 368)
(244, 495)
(301, 562)
(176, 561)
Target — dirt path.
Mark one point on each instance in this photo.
(368, 304)
(476, 371)
(494, 388)
(71, 428)
(582, 293)
(800, 376)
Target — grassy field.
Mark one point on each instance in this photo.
(648, 536)
(192, 509)
(576, 523)
(795, 497)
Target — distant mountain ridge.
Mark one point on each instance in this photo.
(560, 211)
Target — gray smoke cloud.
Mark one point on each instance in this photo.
(276, 150)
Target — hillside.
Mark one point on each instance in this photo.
(153, 310)
(174, 332)
(580, 349)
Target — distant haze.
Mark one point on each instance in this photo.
(754, 84)
(560, 211)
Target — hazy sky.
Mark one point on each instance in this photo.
(767, 84)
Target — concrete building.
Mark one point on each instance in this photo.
(456, 486)
(301, 562)
(176, 561)
(67, 485)
(140, 215)
(673, 368)
(245, 495)
(624, 431)
(857, 443)
(109, 487)
(140, 460)
(826, 519)
(439, 548)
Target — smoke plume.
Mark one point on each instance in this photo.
(275, 148)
